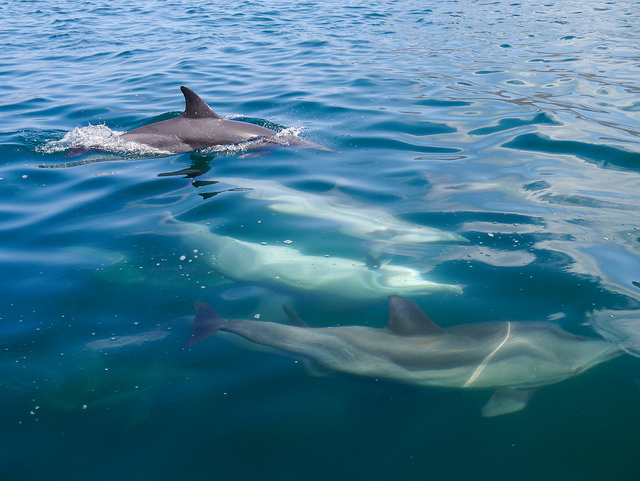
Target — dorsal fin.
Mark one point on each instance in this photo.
(407, 319)
(195, 107)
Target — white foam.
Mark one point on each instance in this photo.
(284, 138)
(98, 137)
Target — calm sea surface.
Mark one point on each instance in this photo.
(514, 125)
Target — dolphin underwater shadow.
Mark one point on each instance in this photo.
(511, 358)
(364, 222)
(200, 127)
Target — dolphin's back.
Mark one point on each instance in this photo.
(184, 134)
(198, 127)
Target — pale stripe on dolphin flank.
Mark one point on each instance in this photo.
(486, 360)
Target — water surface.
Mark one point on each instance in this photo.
(514, 125)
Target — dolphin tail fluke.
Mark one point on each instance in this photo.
(206, 323)
(505, 401)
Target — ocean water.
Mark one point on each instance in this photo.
(513, 126)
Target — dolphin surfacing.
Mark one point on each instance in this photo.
(511, 358)
(200, 127)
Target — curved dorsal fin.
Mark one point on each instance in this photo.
(195, 107)
(407, 319)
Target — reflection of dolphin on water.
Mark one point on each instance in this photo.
(199, 127)
(372, 223)
(286, 268)
(512, 358)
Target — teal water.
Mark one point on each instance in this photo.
(512, 124)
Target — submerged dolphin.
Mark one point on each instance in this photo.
(116, 342)
(512, 358)
(354, 220)
(286, 268)
(199, 127)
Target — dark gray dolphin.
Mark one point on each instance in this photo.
(199, 127)
(511, 358)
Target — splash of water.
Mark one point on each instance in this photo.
(97, 137)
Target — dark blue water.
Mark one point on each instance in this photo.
(514, 125)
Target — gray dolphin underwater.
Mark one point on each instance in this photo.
(200, 127)
(511, 358)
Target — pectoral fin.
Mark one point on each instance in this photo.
(507, 401)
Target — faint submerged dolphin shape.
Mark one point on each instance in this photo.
(199, 127)
(126, 341)
(371, 223)
(512, 358)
